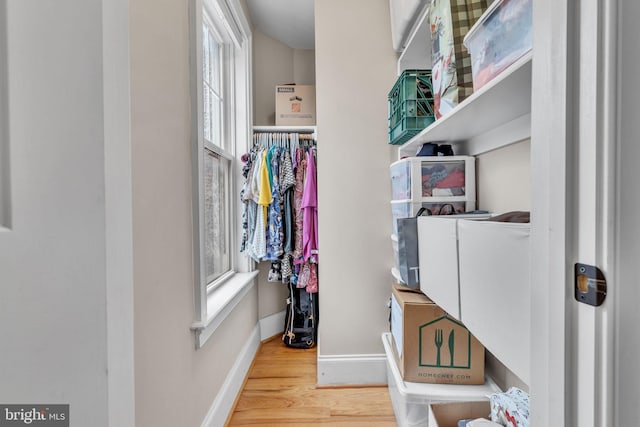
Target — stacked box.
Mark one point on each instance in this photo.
(444, 185)
(295, 105)
(501, 36)
(411, 400)
(431, 346)
(410, 105)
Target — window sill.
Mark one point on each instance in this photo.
(221, 302)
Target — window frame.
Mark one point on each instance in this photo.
(215, 300)
(5, 175)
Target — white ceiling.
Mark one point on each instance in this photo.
(289, 21)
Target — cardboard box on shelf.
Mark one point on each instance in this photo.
(295, 105)
(430, 346)
(448, 414)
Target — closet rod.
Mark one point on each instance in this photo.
(285, 129)
(303, 136)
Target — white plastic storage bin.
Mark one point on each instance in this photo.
(495, 289)
(436, 206)
(499, 38)
(416, 178)
(396, 253)
(411, 400)
(448, 414)
(438, 260)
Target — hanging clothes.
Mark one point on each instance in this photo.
(279, 212)
(287, 183)
(250, 206)
(298, 256)
(275, 235)
(310, 212)
(264, 199)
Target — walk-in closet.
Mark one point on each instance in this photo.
(419, 250)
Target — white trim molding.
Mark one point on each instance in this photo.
(237, 81)
(118, 213)
(221, 302)
(223, 404)
(352, 369)
(5, 175)
(272, 325)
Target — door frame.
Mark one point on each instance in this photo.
(118, 213)
(573, 159)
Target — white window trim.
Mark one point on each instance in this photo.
(5, 188)
(215, 302)
(220, 303)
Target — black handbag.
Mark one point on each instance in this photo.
(301, 318)
(408, 249)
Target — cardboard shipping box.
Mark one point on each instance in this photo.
(448, 414)
(295, 105)
(430, 346)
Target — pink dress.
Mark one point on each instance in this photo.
(310, 213)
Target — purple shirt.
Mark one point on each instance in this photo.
(310, 212)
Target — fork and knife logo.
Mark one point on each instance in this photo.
(438, 341)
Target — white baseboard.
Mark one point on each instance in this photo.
(272, 325)
(352, 369)
(232, 386)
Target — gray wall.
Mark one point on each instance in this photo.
(625, 288)
(52, 261)
(275, 63)
(355, 68)
(175, 384)
(504, 178)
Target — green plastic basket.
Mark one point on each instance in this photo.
(410, 105)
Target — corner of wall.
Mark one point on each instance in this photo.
(222, 407)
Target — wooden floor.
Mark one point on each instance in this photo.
(281, 390)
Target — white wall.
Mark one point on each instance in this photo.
(52, 261)
(275, 63)
(5, 196)
(304, 66)
(355, 68)
(272, 65)
(624, 289)
(504, 179)
(175, 384)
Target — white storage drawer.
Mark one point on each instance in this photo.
(396, 252)
(436, 206)
(501, 36)
(411, 400)
(495, 289)
(448, 414)
(438, 260)
(415, 178)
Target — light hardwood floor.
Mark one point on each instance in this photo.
(281, 390)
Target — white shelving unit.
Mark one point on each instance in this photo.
(417, 52)
(497, 115)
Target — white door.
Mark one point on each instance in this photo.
(56, 255)
(584, 156)
(626, 291)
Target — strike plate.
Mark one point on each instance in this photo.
(590, 285)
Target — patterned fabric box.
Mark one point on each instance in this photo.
(450, 21)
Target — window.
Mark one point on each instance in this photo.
(217, 161)
(220, 60)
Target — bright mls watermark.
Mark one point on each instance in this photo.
(34, 415)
